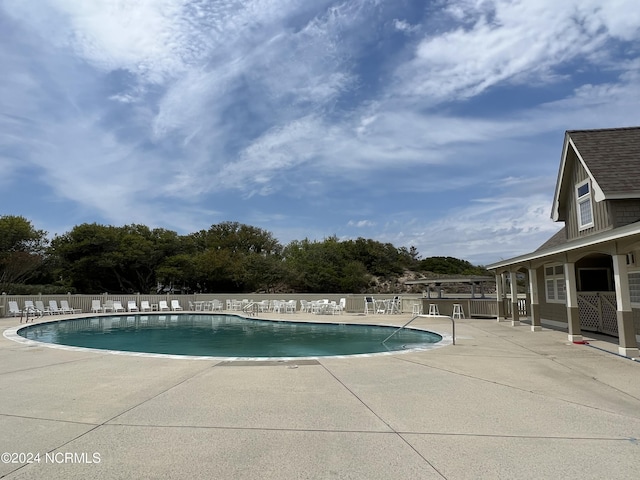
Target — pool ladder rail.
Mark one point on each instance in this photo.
(453, 327)
(251, 309)
(31, 310)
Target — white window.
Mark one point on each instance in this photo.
(555, 288)
(585, 209)
(634, 287)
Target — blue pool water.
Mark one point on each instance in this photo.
(225, 336)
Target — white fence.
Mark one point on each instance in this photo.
(354, 302)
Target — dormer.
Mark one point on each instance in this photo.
(598, 186)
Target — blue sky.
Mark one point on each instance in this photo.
(437, 124)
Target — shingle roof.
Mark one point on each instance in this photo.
(559, 238)
(613, 157)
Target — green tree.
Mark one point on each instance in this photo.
(95, 258)
(450, 266)
(22, 250)
(325, 266)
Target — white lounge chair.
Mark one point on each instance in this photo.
(30, 307)
(117, 306)
(175, 305)
(162, 305)
(13, 309)
(132, 306)
(53, 307)
(96, 307)
(107, 306)
(144, 306)
(40, 306)
(64, 305)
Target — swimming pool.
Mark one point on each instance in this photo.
(220, 335)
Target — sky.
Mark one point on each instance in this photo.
(434, 124)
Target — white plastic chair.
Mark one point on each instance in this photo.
(40, 306)
(216, 305)
(53, 307)
(13, 309)
(369, 305)
(175, 305)
(64, 305)
(291, 306)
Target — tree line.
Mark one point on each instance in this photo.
(229, 257)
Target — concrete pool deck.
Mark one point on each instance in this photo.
(504, 402)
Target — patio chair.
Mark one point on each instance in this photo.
(320, 307)
(117, 306)
(40, 306)
(132, 306)
(13, 309)
(175, 305)
(96, 307)
(53, 307)
(304, 306)
(162, 306)
(30, 307)
(107, 306)
(216, 305)
(393, 305)
(291, 306)
(369, 305)
(144, 306)
(64, 305)
(278, 306)
(339, 307)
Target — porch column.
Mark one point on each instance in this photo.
(573, 315)
(628, 345)
(535, 304)
(515, 314)
(499, 297)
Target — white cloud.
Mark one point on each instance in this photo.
(361, 223)
(405, 26)
(486, 231)
(273, 98)
(504, 41)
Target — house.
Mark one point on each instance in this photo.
(587, 276)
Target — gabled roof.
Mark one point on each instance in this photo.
(588, 242)
(559, 238)
(611, 158)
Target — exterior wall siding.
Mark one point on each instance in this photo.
(556, 312)
(601, 220)
(636, 320)
(624, 212)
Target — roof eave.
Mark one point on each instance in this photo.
(583, 242)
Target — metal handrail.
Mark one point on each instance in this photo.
(251, 308)
(36, 313)
(453, 327)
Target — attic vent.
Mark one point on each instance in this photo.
(631, 259)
